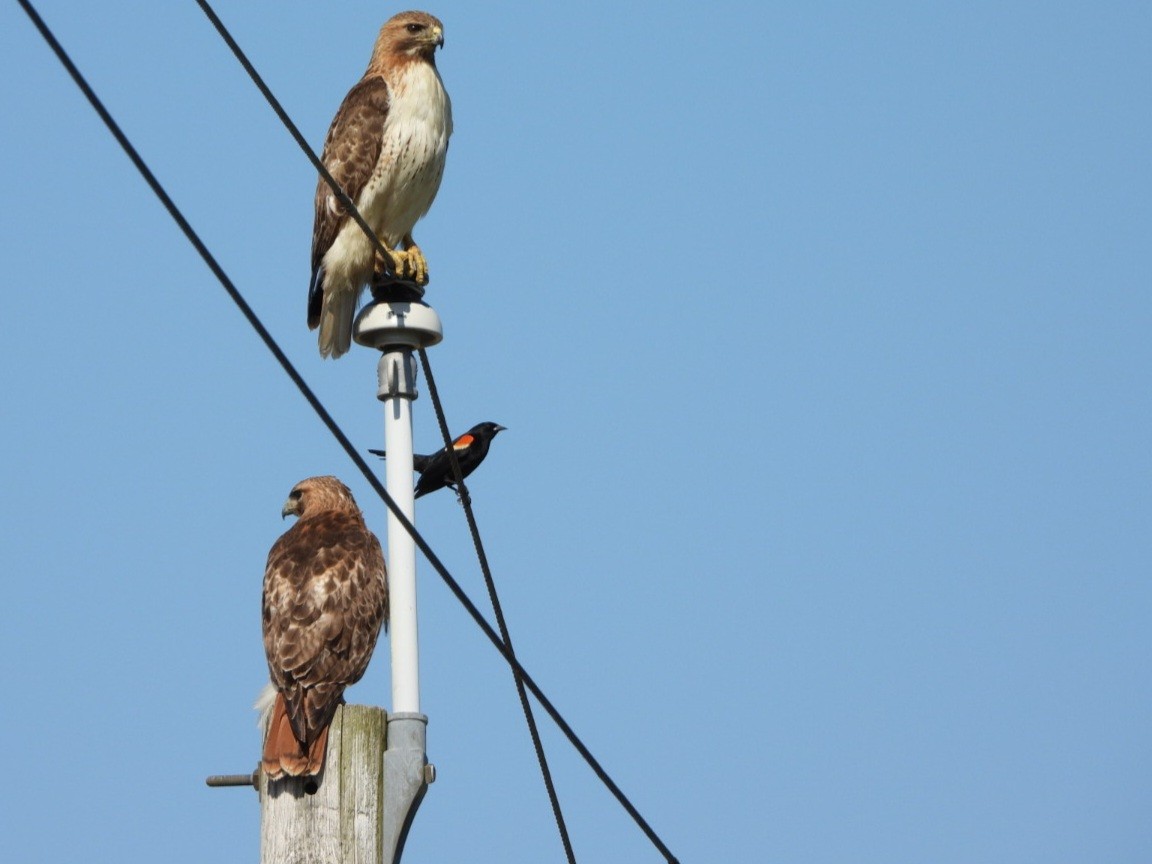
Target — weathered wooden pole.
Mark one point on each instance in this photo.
(359, 812)
(339, 819)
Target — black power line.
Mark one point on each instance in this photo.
(335, 429)
(525, 705)
(347, 203)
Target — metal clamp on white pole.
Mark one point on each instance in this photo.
(396, 328)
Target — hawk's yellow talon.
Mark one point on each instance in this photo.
(418, 265)
(408, 264)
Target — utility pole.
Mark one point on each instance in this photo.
(376, 771)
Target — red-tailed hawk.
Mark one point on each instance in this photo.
(386, 148)
(325, 599)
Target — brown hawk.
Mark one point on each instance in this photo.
(325, 600)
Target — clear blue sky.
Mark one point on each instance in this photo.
(821, 332)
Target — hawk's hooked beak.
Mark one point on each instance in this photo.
(438, 36)
(291, 508)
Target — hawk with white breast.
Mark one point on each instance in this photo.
(386, 148)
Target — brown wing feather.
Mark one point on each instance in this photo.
(325, 600)
(351, 151)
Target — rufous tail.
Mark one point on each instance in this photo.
(283, 755)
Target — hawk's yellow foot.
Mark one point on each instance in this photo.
(405, 264)
(415, 264)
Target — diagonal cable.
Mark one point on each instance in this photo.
(342, 196)
(336, 431)
(529, 717)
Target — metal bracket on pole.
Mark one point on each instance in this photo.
(407, 774)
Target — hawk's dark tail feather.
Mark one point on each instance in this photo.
(315, 297)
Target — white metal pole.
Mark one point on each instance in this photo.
(398, 375)
(396, 329)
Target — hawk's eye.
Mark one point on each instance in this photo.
(294, 495)
(415, 28)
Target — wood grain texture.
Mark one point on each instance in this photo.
(341, 823)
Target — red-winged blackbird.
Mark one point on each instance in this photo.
(436, 469)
